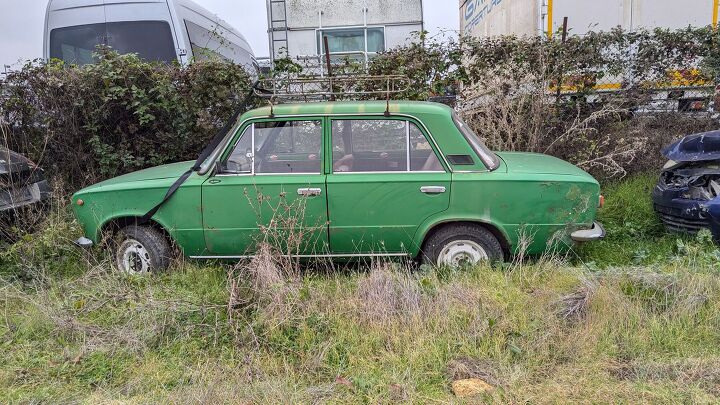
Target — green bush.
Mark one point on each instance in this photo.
(92, 122)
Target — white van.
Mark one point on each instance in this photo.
(156, 30)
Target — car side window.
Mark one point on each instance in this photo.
(240, 160)
(278, 147)
(380, 145)
(422, 155)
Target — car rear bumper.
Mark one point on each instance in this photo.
(597, 232)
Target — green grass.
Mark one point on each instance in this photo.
(612, 326)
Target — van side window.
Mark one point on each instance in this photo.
(204, 45)
(381, 146)
(151, 40)
(216, 43)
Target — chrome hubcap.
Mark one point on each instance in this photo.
(133, 258)
(462, 253)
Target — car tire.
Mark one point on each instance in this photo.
(141, 250)
(461, 245)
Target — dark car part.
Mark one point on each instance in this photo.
(687, 195)
(22, 183)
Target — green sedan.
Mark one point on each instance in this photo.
(343, 180)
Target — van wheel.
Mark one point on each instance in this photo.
(141, 250)
(462, 245)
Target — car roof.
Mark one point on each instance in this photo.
(350, 107)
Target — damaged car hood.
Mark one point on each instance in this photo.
(13, 162)
(695, 148)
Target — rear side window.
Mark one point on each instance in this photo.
(381, 146)
(151, 40)
(489, 159)
(75, 45)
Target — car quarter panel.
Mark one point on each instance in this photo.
(558, 205)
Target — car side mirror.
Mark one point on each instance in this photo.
(220, 167)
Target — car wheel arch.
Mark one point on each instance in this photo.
(493, 229)
(111, 227)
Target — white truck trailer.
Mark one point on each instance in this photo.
(484, 18)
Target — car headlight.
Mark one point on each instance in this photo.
(670, 164)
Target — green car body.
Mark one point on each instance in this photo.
(523, 199)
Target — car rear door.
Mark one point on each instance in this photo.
(385, 180)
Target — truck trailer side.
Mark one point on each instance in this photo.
(484, 18)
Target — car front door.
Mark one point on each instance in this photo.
(269, 187)
(386, 179)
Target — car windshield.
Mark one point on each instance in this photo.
(490, 159)
(151, 40)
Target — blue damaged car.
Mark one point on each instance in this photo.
(687, 195)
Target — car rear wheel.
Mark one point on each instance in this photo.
(141, 250)
(462, 245)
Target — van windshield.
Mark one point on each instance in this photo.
(490, 159)
(151, 40)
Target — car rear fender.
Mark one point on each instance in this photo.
(434, 223)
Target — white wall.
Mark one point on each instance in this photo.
(305, 13)
(498, 17)
(399, 35)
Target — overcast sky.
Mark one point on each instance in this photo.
(22, 21)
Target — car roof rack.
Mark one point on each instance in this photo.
(331, 88)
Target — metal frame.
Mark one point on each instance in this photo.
(324, 88)
(339, 255)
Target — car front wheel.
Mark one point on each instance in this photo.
(462, 245)
(141, 250)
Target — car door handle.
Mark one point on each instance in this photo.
(432, 189)
(308, 192)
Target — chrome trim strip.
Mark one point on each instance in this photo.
(307, 256)
(407, 146)
(390, 172)
(320, 174)
(266, 174)
(252, 143)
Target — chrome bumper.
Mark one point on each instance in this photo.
(597, 232)
(84, 243)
